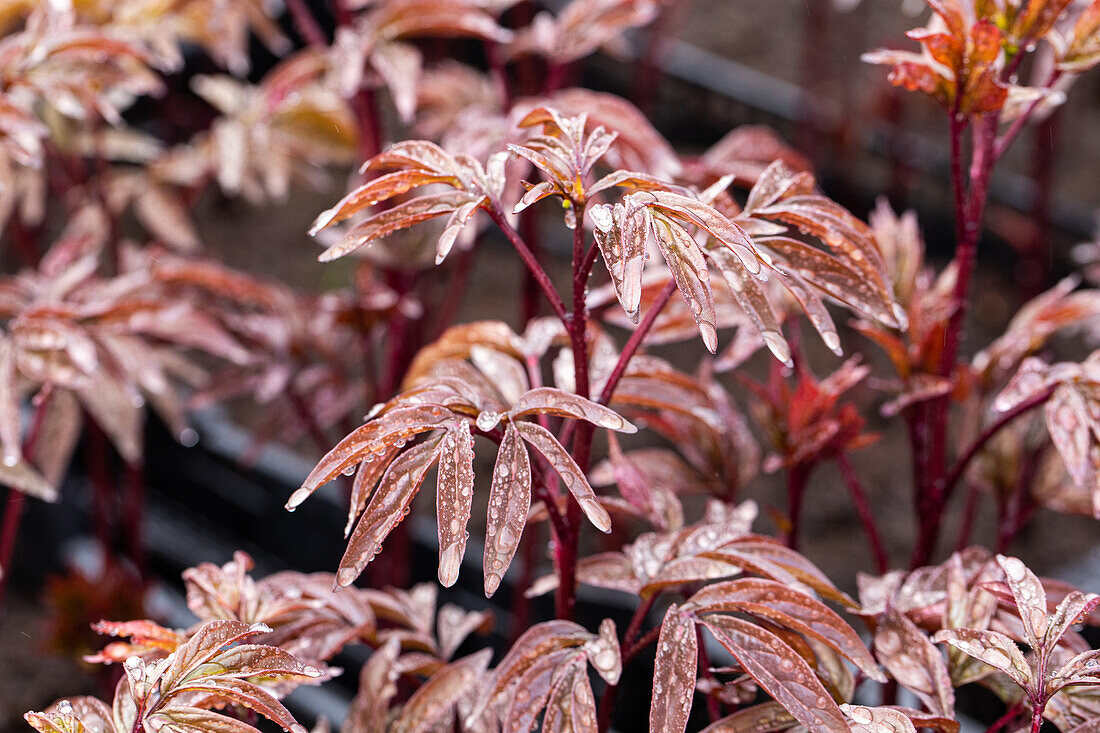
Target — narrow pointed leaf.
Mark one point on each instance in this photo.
(454, 499)
(571, 475)
(674, 673)
(387, 508)
(509, 503)
(780, 671)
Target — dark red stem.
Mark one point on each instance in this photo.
(798, 476)
(306, 25)
(1005, 719)
(635, 341)
(986, 435)
(532, 263)
(863, 508)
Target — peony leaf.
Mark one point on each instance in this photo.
(509, 503)
(387, 507)
(993, 648)
(571, 475)
(454, 498)
(674, 673)
(779, 670)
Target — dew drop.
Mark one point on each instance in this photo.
(188, 438)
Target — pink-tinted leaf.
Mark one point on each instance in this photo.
(877, 720)
(571, 705)
(767, 717)
(532, 690)
(1031, 599)
(1082, 669)
(540, 642)
(787, 607)
(401, 216)
(387, 507)
(1073, 609)
(621, 235)
(436, 698)
(454, 498)
(195, 720)
(991, 647)
(604, 654)
(779, 671)
(509, 503)
(377, 686)
(674, 673)
(914, 662)
(1068, 421)
(707, 218)
(571, 475)
(689, 268)
(551, 401)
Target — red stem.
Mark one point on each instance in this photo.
(565, 549)
(798, 476)
(970, 511)
(713, 709)
(635, 341)
(1005, 719)
(631, 347)
(306, 25)
(863, 508)
(532, 263)
(988, 434)
(1037, 719)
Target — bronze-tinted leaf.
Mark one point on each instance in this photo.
(73, 715)
(509, 503)
(380, 189)
(454, 498)
(689, 268)
(1031, 599)
(181, 718)
(551, 401)
(621, 235)
(537, 643)
(401, 216)
(532, 690)
(767, 717)
(674, 673)
(779, 670)
(571, 475)
(369, 443)
(993, 648)
(366, 478)
(773, 601)
(767, 557)
(436, 698)
(387, 507)
(1074, 608)
(914, 662)
(877, 720)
